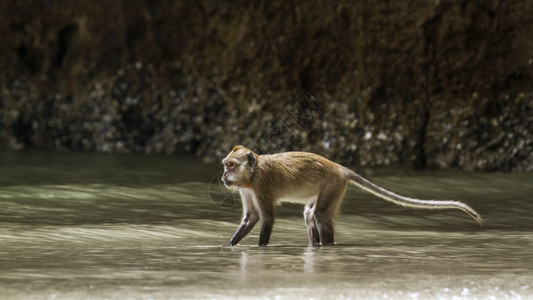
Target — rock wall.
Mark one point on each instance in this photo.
(446, 84)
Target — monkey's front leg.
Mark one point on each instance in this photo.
(266, 208)
(249, 217)
(248, 222)
(266, 231)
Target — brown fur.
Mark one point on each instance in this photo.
(307, 178)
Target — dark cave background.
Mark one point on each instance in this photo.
(446, 84)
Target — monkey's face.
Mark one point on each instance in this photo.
(238, 168)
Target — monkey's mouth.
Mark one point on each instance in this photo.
(227, 183)
(230, 185)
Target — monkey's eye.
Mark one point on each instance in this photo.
(230, 165)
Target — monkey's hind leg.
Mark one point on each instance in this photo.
(326, 210)
(310, 222)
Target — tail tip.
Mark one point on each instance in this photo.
(480, 221)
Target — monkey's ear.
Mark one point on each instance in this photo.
(251, 159)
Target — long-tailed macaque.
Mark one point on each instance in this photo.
(307, 178)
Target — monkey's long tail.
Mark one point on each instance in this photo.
(411, 202)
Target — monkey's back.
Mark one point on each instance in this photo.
(297, 174)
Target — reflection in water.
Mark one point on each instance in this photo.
(308, 258)
(89, 226)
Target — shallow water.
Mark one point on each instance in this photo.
(90, 226)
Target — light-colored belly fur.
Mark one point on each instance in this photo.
(302, 195)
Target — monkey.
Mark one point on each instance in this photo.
(307, 178)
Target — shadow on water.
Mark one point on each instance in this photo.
(102, 226)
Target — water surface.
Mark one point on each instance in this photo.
(91, 226)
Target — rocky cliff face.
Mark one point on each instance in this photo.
(446, 84)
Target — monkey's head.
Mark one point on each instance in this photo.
(239, 166)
